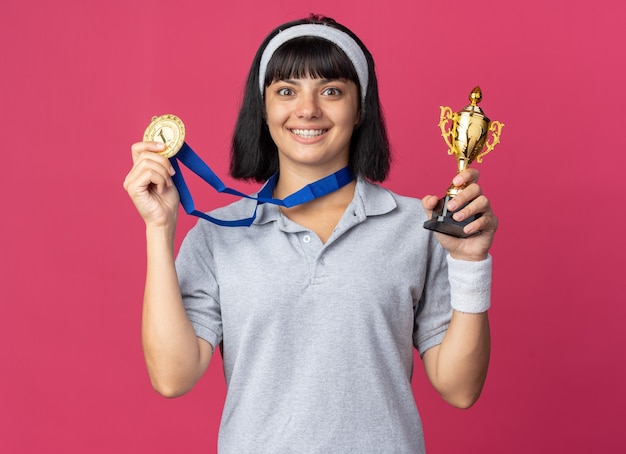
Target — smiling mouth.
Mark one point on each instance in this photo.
(308, 133)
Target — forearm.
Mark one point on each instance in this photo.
(459, 365)
(175, 357)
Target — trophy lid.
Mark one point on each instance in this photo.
(475, 96)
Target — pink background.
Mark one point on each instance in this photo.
(80, 81)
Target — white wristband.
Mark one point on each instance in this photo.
(470, 285)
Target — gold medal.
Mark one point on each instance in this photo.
(167, 129)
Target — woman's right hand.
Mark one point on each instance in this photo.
(149, 185)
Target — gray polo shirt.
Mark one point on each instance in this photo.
(318, 338)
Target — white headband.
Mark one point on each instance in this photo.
(335, 36)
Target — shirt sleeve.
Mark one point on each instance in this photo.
(450, 283)
(433, 311)
(198, 284)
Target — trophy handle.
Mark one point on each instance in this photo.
(495, 128)
(449, 135)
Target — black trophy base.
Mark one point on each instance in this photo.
(442, 221)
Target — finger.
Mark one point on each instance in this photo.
(479, 205)
(466, 177)
(155, 162)
(464, 197)
(142, 147)
(140, 184)
(145, 173)
(145, 151)
(487, 223)
(429, 202)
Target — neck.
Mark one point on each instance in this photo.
(322, 214)
(339, 199)
(291, 180)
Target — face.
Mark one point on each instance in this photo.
(311, 122)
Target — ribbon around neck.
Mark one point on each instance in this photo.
(192, 161)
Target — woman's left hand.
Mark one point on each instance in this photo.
(476, 247)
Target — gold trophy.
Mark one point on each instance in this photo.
(466, 134)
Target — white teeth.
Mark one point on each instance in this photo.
(308, 133)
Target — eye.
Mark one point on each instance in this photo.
(332, 91)
(284, 91)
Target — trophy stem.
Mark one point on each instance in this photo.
(463, 163)
(453, 191)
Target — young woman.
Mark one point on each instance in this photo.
(317, 307)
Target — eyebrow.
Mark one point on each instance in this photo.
(320, 81)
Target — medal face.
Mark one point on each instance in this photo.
(167, 129)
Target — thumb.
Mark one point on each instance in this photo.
(429, 203)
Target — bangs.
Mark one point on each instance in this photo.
(309, 56)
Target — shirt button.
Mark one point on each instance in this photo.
(306, 238)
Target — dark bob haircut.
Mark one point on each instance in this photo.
(254, 155)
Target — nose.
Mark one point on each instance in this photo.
(308, 106)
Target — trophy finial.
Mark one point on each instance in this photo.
(476, 95)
